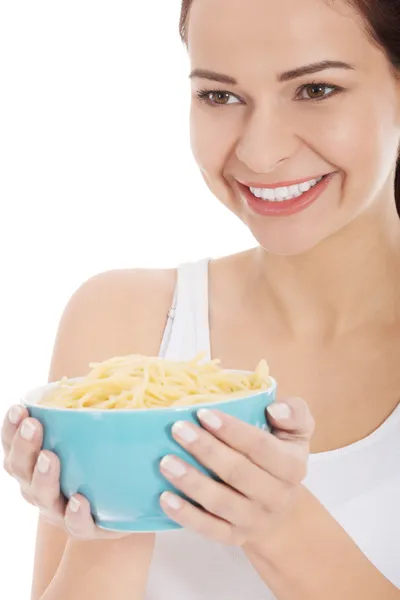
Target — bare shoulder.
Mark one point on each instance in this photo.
(112, 314)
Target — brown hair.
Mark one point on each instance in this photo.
(382, 18)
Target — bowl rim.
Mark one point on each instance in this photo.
(39, 391)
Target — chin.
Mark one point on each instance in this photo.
(290, 246)
(294, 239)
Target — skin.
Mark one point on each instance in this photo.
(264, 135)
(319, 295)
(307, 286)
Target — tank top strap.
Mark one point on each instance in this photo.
(187, 332)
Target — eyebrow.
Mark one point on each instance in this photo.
(286, 76)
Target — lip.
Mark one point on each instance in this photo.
(267, 208)
(269, 186)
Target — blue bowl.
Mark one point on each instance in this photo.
(112, 456)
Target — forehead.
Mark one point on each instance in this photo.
(276, 34)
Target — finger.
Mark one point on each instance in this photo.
(291, 419)
(79, 522)
(232, 467)
(216, 498)
(25, 449)
(78, 519)
(45, 486)
(10, 425)
(197, 520)
(286, 462)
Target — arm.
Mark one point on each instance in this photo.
(103, 569)
(114, 313)
(260, 504)
(49, 549)
(309, 557)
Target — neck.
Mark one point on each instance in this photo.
(347, 281)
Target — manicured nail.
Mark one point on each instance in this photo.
(209, 418)
(184, 432)
(279, 411)
(27, 430)
(14, 414)
(74, 505)
(171, 500)
(43, 463)
(172, 466)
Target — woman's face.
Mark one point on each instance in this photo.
(272, 124)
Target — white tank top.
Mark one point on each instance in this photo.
(358, 484)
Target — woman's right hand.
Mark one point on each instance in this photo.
(38, 474)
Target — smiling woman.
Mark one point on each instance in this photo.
(319, 107)
(295, 127)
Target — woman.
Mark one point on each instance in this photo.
(295, 126)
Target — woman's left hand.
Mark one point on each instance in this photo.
(260, 472)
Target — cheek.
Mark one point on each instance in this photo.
(352, 146)
(348, 148)
(356, 139)
(213, 142)
(366, 157)
(212, 138)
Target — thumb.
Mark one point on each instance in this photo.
(291, 419)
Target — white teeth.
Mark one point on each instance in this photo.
(281, 194)
(304, 187)
(267, 194)
(294, 191)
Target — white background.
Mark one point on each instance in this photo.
(96, 173)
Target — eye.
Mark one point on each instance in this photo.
(317, 91)
(217, 97)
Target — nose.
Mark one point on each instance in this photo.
(266, 141)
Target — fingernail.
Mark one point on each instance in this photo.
(43, 463)
(171, 500)
(184, 432)
(173, 466)
(28, 430)
(14, 414)
(74, 505)
(279, 411)
(209, 418)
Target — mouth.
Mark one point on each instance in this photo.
(284, 199)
